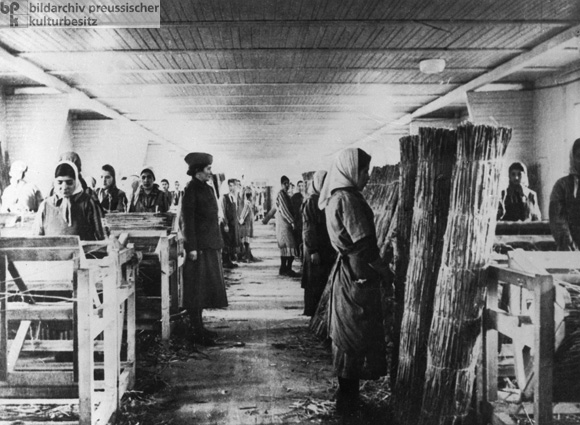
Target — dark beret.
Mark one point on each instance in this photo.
(195, 159)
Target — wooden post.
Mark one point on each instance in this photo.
(131, 271)
(3, 321)
(491, 344)
(165, 292)
(111, 337)
(544, 295)
(85, 345)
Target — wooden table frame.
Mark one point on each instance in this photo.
(102, 322)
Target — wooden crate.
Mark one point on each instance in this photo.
(155, 236)
(534, 329)
(99, 302)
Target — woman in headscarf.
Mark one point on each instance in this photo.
(518, 202)
(318, 252)
(149, 197)
(111, 198)
(355, 315)
(285, 224)
(69, 210)
(203, 276)
(246, 221)
(565, 206)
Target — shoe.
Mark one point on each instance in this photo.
(209, 334)
(292, 273)
(234, 265)
(282, 272)
(203, 340)
(229, 265)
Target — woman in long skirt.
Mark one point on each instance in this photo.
(319, 255)
(355, 323)
(285, 224)
(204, 285)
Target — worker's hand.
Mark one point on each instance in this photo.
(315, 258)
(192, 255)
(241, 222)
(226, 228)
(293, 226)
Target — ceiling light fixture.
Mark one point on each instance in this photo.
(432, 66)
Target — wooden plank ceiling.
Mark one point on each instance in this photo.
(294, 81)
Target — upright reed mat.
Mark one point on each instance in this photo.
(454, 338)
(409, 154)
(436, 160)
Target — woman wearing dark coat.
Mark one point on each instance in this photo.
(318, 252)
(204, 285)
(69, 210)
(149, 198)
(111, 198)
(564, 210)
(355, 320)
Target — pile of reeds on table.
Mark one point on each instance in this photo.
(454, 337)
(140, 221)
(436, 160)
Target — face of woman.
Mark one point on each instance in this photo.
(363, 178)
(64, 186)
(286, 185)
(147, 180)
(515, 177)
(106, 179)
(205, 174)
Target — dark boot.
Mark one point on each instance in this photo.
(289, 271)
(282, 271)
(347, 397)
(200, 335)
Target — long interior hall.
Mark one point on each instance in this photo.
(268, 367)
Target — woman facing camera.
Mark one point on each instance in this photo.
(204, 285)
(69, 210)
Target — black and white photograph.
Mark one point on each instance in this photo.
(255, 212)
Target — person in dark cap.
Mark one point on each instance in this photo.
(565, 206)
(149, 198)
(518, 202)
(285, 224)
(203, 277)
(111, 198)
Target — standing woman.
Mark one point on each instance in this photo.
(285, 229)
(355, 322)
(204, 285)
(69, 210)
(111, 198)
(319, 255)
(247, 225)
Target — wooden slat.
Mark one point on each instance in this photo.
(40, 254)
(3, 321)
(16, 346)
(544, 294)
(40, 311)
(512, 277)
(54, 242)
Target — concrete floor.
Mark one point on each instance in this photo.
(268, 369)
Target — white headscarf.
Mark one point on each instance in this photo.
(65, 205)
(318, 182)
(343, 173)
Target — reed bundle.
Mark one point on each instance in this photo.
(436, 159)
(454, 337)
(142, 221)
(382, 194)
(400, 235)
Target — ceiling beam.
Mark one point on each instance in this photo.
(370, 23)
(274, 50)
(252, 70)
(509, 67)
(37, 74)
